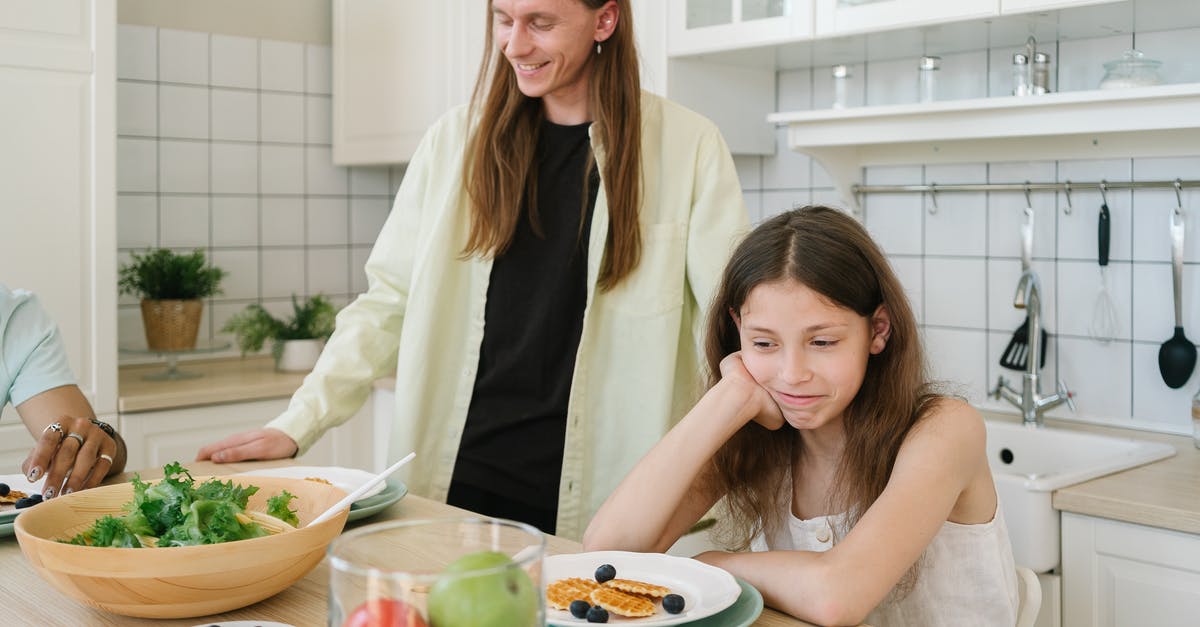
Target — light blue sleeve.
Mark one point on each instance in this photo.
(33, 358)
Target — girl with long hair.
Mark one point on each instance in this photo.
(864, 493)
(541, 274)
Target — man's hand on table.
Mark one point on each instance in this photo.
(257, 444)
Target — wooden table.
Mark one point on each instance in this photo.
(29, 600)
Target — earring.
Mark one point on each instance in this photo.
(597, 47)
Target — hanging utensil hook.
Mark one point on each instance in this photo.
(1178, 196)
(1067, 191)
(1104, 193)
(933, 209)
(1028, 202)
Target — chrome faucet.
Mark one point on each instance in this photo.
(1029, 400)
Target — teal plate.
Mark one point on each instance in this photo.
(393, 490)
(6, 528)
(744, 611)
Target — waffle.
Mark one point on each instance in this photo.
(13, 496)
(560, 593)
(639, 588)
(622, 603)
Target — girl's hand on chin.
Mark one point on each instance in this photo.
(766, 411)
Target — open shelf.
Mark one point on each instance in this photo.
(1143, 121)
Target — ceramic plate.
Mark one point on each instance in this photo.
(245, 623)
(8, 511)
(347, 479)
(393, 491)
(706, 590)
(742, 613)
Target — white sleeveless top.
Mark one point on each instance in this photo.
(966, 578)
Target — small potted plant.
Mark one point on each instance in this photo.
(297, 341)
(171, 286)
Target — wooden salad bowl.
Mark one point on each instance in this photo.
(176, 582)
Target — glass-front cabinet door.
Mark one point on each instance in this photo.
(697, 26)
(841, 17)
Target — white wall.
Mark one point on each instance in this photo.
(223, 143)
(960, 264)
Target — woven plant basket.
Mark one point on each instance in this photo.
(171, 325)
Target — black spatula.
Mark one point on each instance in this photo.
(1016, 354)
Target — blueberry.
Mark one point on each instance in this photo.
(579, 608)
(23, 503)
(35, 498)
(597, 614)
(605, 573)
(4, 489)
(673, 603)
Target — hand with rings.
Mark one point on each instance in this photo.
(72, 454)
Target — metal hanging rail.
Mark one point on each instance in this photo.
(933, 189)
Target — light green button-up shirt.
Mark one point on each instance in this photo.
(639, 364)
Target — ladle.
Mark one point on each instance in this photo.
(1177, 356)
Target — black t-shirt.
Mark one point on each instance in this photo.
(512, 445)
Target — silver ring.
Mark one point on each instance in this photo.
(76, 436)
(106, 457)
(56, 427)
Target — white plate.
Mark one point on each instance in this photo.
(705, 589)
(245, 623)
(347, 479)
(8, 511)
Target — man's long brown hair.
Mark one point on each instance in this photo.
(499, 170)
(832, 254)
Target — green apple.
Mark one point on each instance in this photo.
(502, 597)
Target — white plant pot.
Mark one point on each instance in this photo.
(299, 355)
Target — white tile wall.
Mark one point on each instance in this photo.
(960, 262)
(224, 144)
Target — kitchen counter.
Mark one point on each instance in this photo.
(30, 600)
(1162, 494)
(224, 380)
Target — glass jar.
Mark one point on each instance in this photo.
(1196, 419)
(1133, 69)
(841, 80)
(1020, 75)
(927, 72)
(1040, 73)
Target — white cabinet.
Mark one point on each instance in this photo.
(57, 176)
(841, 17)
(155, 438)
(397, 66)
(1117, 574)
(1024, 6)
(697, 26)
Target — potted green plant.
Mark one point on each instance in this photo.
(171, 286)
(297, 341)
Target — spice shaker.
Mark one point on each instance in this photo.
(1020, 75)
(927, 71)
(1040, 73)
(841, 79)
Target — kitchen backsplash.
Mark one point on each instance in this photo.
(224, 144)
(960, 262)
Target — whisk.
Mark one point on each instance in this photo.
(1105, 322)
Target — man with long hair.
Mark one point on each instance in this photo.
(539, 285)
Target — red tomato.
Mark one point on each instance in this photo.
(385, 613)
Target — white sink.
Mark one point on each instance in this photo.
(1028, 464)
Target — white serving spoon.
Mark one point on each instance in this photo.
(361, 490)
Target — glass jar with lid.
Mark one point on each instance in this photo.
(1133, 69)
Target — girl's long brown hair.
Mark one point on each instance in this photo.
(832, 254)
(499, 172)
